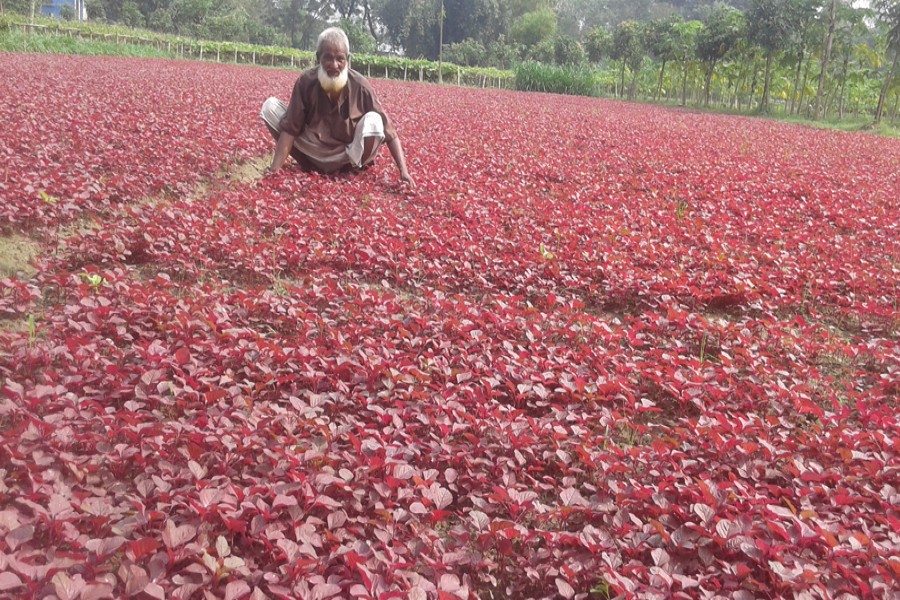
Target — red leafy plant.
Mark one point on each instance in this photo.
(603, 350)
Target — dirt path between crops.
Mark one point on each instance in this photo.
(249, 171)
(17, 254)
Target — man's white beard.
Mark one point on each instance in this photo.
(333, 85)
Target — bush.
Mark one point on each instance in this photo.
(468, 53)
(503, 54)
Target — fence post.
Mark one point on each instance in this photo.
(217, 55)
(235, 55)
(420, 73)
(457, 76)
(254, 57)
(201, 51)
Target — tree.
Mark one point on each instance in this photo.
(414, 25)
(851, 28)
(802, 16)
(598, 44)
(567, 51)
(826, 56)
(361, 41)
(481, 20)
(628, 47)
(684, 44)
(723, 30)
(533, 28)
(16, 6)
(888, 12)
(131, 15)
(579, 17)
(659, 40)
(95, 10)
(301, 20)
(161, 20)
(770, 27)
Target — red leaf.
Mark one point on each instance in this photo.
(565, 590)
(236, 589)
(182, 356)
(174, 536)
(142, 547)
(9, 581)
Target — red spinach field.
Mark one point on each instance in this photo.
(602, 351)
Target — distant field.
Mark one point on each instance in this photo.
(603, 349)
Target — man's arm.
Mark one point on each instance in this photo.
(397, 153)
(282, 149)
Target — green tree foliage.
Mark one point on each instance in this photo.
(482, 20)
(468, 53)
(535, 27)
(628, 48)
(16, 6)
(361, 41)
(302, 20)
(502, 54)
(598, 44)
(545, 52)
(771, 28)
(659, 41)
(721, 33)
(95, 10)
(131, 15)
(684, 43)
(568, 52)
(888, 12)
(413, 26)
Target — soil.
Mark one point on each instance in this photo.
(249, 171)
(17, 255)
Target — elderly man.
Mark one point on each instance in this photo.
(334, 119)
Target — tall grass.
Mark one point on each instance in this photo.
(15, 41)
(537, 77)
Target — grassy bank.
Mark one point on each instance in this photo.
(863, 124)
(12, 40)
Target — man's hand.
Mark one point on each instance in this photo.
(282, 149)
(397, 154)
(408, 180)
